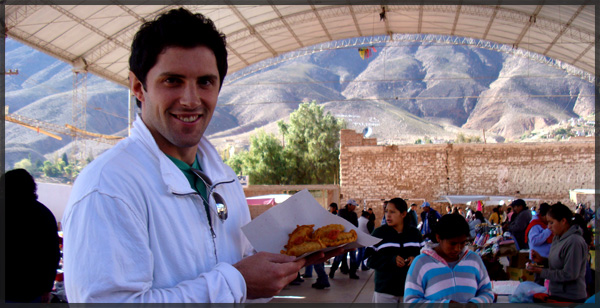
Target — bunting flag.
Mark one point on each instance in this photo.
(366, 52)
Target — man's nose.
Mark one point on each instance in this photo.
(190, 96)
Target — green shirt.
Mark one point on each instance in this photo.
(195, 182)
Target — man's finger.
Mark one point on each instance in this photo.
(276, 257)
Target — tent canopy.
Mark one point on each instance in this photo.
(97, 38)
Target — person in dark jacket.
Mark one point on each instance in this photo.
(429, 218)
(32, 244)
(567, 258)
(391, 257)
(519, 222)
(348, 214)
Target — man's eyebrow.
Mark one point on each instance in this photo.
(169, 74)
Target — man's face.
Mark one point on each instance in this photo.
(426, 209)
(180, 97)
(517, 209)
(351, 207)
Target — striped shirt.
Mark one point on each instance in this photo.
(431, 280)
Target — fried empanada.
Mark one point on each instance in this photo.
(333, 235)
(300, 235)
(303, 248)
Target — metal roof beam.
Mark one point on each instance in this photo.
(355, 20)
(289, 28)
(456, 17)
(314, 9)
(253, 31)
(532, 20)
(489, 25)
(563, 30)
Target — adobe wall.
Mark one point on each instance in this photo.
(546, 171)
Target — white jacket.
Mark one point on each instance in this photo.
(135, 231)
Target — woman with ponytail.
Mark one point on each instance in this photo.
(567, 258)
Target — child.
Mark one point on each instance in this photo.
(448, 273)
(391, 257)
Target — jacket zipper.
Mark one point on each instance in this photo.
(212, 231)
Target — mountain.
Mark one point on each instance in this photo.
(403, 91)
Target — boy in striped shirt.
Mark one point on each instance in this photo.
(447, 272)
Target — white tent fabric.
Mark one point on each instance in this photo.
(97, 38)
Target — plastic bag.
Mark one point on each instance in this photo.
(525, 291)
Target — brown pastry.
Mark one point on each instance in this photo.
(334, 235)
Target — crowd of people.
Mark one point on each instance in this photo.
(158, 218)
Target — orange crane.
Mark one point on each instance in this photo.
(49, 129)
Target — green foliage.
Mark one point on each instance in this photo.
(50, 169)
(309, 154)
(65, 158)
(418, 141)
(26, 164)
(461, 138)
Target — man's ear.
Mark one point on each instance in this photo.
(437, 237)
(136, 86)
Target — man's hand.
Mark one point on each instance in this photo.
(266, 274)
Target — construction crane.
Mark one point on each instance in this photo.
(50, 129)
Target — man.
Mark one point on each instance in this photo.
(143, 223)
(412, 213)
(429, 217)
(539, 237)
(519, 222)
(384, 205)
(348, 214)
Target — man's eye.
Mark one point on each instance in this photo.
(172, 80)
(205, 81)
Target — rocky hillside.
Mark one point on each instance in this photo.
(403, 92)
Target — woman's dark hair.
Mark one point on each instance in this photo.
(399, 204)
(559, 211)
(479, 215)
(19, 184)
(333, 205)
(402, 207)
(544, 208)
(452, 226)
(176, 28)
(588, 236)
(496, 210)
(365, 214)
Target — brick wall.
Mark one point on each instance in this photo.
(545, 171)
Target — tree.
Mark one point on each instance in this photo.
(50, 169)
(310, 155)
(26, 164)
(65, 158)
(312, 145)
(265, 162)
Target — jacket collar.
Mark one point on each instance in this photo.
(173, 178)
(430, 251)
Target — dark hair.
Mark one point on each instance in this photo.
(333, 205)
(399, 204)
(588, 236)
(479, 215)
(19, 184)
(544, 208)
(175, 28)
(452, 226)
(365, 214)
(559, 211)
(520, 202)
(496, 210)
